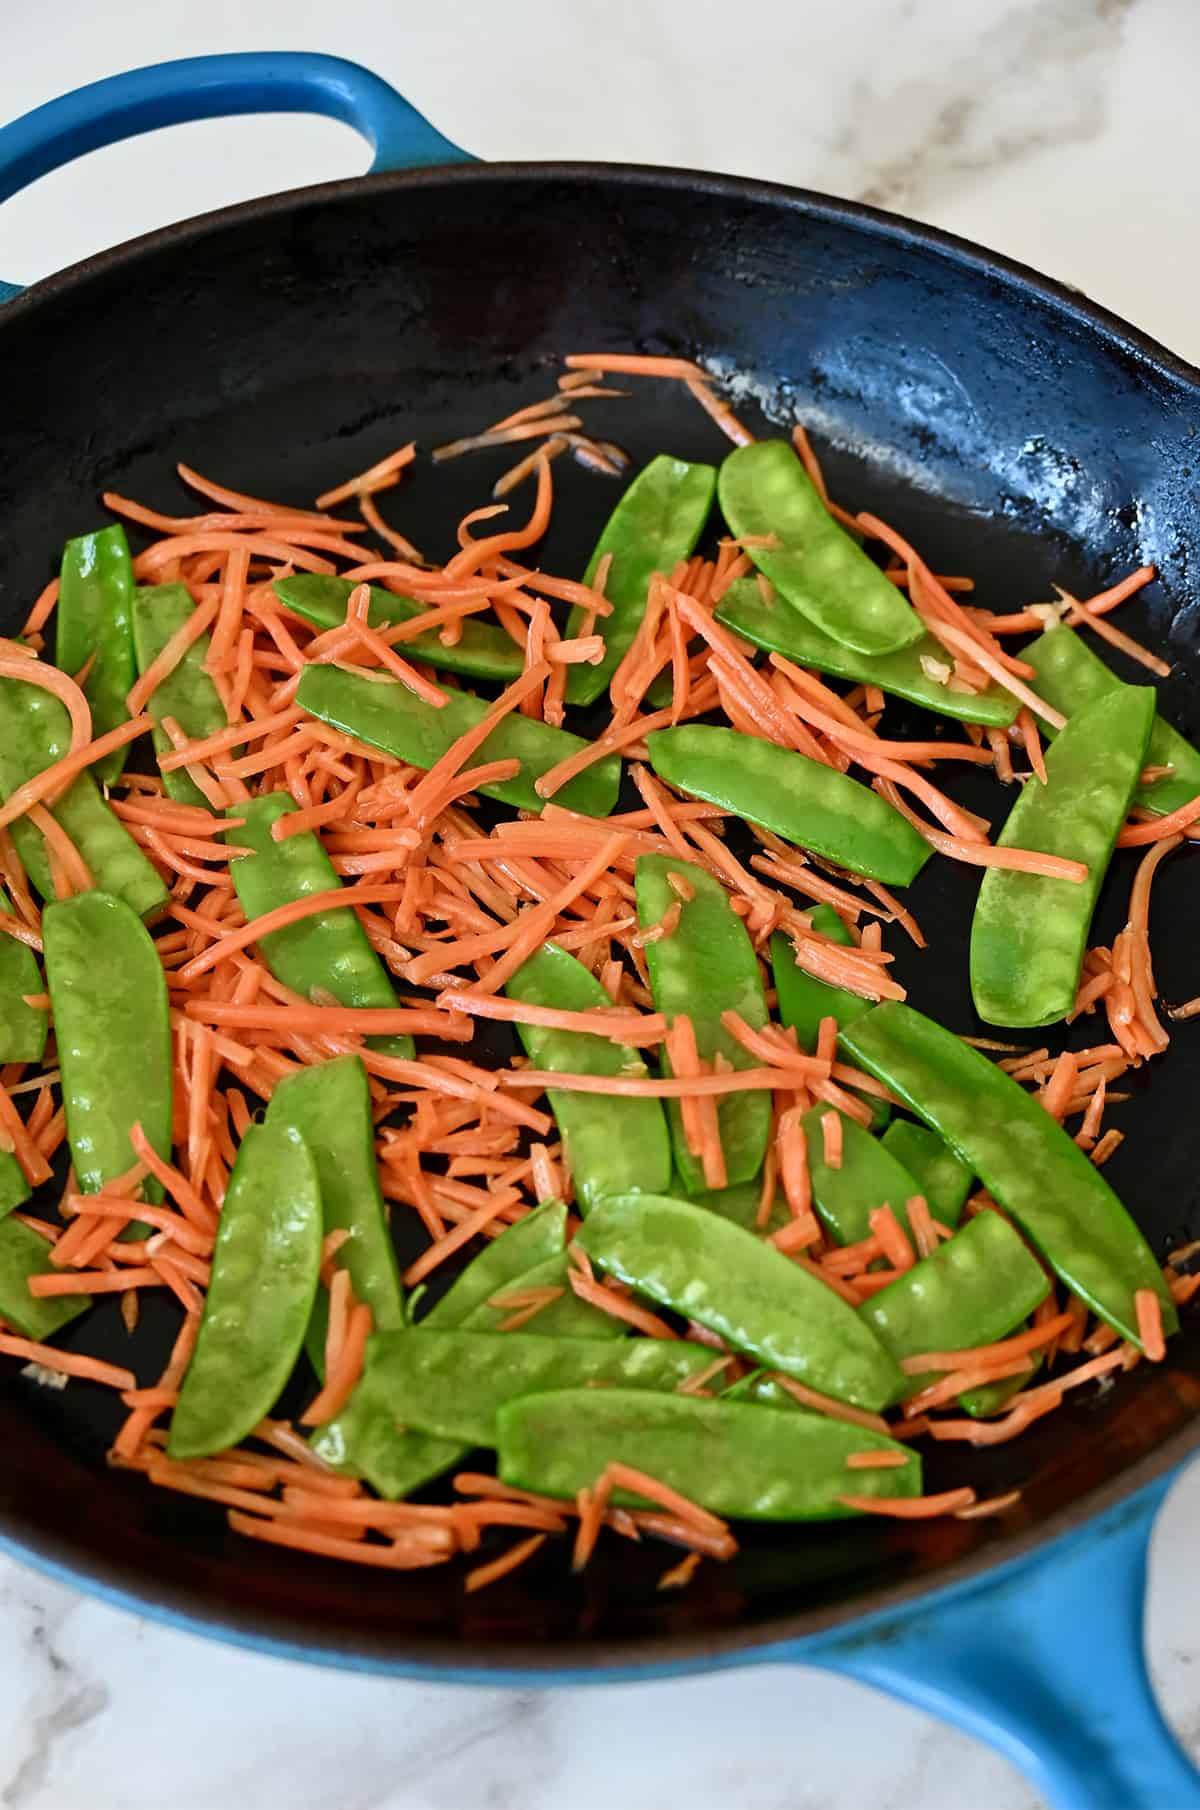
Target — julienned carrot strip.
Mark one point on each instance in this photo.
(68, 1363)
(636, 364)
(1081, 615)
(985, 854)
(358, 1020)
(342, 1378)
(311, 905)
(374, 478)
(962, 643)
(911, 1508)
(1150, 1326)
(619, 1025)
(413, 1548)
(607, 1299)
(482, 1575)
(94, 1282)
(1158, 829)
(12, 1128)
(54, 779)
(16, 662)
(144, 688)
(746, 1080)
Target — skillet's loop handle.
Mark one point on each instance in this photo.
(167, 94)
(1047, 1664)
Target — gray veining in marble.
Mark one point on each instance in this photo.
(1063, 132)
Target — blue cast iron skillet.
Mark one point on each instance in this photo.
(1015, 431)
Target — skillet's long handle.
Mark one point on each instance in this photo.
(166, 94)
(1047, 1664)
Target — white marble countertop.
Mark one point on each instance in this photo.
(1063, 132)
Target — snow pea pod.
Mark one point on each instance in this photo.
(751, 1294)
(785, 631)
(733, 1458)
(109, 1000)
(22, 1027)
(941, 1176)
(25, 1253)
(526, 1245)
(329, 953)
(613, 1146)
(35, 731)
(387, 715)
(454, 1383)
(738, 1204)
(868, 1176)
(1029, 933)
(482, 650)
(993, 1398)
(14, 1189)
(94, 618)
(329, 1105)
(365, 1440)
(656, 524)
(973, 1289)
(1071, 677)
(818, 568)
(187, 694)
(264, 1277)
(802, 799)
(705, 967)
(1024, 1158)
(804, 1000)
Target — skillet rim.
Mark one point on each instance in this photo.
(431, 1657)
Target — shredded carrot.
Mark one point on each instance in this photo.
(1150, 1326)
(831, 1138)
(912, 1508)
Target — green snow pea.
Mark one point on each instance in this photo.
(1071, 677)
(365, 1438)
(705, 967)
(1029, 933)
(329, 1105)
(387, 715)
(264, 1277)
(612, 1146)
(785, 631)
(35, 731)
(453, 1383)
(95, 597)
(975, 1288)
(330, 952)
(804, 1000)
(941, 1176)
(869, 1176)
(532, 1241)
(733, 1458)
(751, 1294)
(1033, 1168)
(25, 1253)
(22, 1027)
(14, 1189)
(483, 650)
(187, 694)
(656, 524)
(819, 569)
(810, 804)
(738, 1204)
(108, 996)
